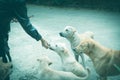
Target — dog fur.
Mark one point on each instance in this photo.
(71, 34)
(105, 60)
(68, 61)
(47, 73)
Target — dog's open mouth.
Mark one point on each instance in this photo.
(51, 48)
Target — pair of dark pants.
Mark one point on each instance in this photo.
(4, 50)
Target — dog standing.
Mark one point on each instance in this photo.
(106, 61)
(68, 61)
(71, 34)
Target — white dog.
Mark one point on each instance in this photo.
(5, 69)
(47, 73)
(68, 61)
(105, 60)
(71, 34)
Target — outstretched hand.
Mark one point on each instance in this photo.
(44, 43)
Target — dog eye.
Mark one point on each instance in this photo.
(66, 29)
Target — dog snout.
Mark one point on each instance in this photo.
(50, 47)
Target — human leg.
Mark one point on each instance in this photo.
(4, 50)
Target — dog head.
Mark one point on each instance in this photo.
(44, 60)
(58, 48)
(85, 46)
(68, 32)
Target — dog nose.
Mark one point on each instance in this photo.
(60, 34)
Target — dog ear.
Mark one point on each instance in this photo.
(91, 44)
(90, 34)
(74, 30)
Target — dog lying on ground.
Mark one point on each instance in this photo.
(5, 69)
(106, 61)
(71, 34)
(68, 61)
(47, 73)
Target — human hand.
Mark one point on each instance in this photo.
(44, 43)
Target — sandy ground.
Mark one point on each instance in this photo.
(49, 22)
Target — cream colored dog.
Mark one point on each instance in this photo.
(47, 73)
(5, 69)
(105, 60)
(68, 61)
(71, 34)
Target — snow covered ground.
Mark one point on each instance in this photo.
(49, 21)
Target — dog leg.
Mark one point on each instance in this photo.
(82, 57)
(83, 60)
(76, 57)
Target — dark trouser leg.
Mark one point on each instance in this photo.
(8, 78)
(4, 50)
(4, 58)
(7, 48)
